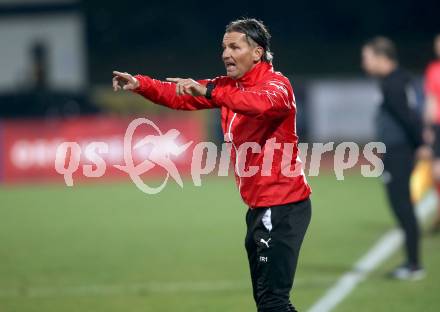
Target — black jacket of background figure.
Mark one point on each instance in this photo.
(398, 121)
(400, 128)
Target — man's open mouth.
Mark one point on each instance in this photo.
(230, 65)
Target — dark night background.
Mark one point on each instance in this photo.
(310, 39)
(182, 38)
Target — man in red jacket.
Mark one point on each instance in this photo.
(257, 105)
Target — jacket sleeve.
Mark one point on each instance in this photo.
(397, 103)
(272, 100)
(164, 93)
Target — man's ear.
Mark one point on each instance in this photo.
(258, 54)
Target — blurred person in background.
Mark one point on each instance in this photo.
(432, 119)
(400, 127)
(257, 104)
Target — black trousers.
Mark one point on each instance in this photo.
(398, 164)
(273, 241)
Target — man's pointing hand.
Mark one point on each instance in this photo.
(124, 81)
(188, 86)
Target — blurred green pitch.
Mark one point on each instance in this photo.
(109, 247)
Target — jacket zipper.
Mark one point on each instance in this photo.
(236, 151)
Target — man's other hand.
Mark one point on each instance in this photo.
(124, 81)
(188, 86)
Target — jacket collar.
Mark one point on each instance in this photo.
(251, 78)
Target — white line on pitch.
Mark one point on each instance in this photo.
(381, 251)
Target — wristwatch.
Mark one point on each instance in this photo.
(209, 88)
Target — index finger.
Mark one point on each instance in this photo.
(123, 75)
(174, 79)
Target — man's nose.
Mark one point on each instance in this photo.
(226, 54)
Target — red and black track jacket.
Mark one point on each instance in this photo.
(258, 107)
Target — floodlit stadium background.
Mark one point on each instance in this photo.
(105, 246)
